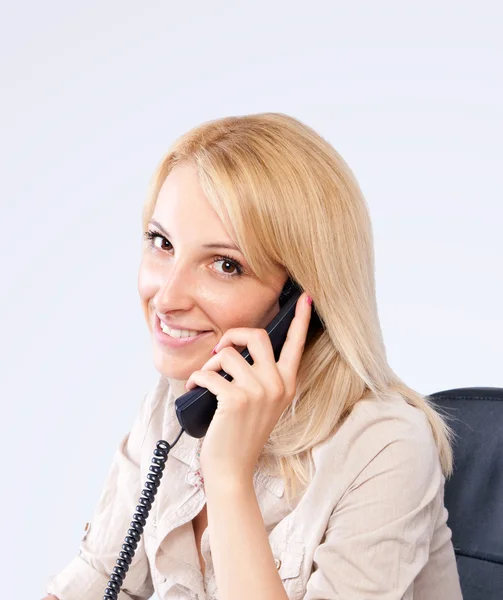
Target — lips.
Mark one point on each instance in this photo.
(182, 333)
(174, 342)
(181, 327)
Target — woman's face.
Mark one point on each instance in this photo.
(185, 282)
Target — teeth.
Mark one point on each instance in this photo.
(178, 333)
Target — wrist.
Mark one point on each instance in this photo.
(228, 483)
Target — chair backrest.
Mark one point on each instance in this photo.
(474, 494)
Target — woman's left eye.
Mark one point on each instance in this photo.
(228, 262)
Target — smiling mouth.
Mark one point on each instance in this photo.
(178, 333)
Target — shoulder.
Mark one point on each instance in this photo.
(377, 494)
(381, 434)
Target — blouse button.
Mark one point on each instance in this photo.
(277, 562)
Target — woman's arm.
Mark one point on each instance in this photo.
(248, 410)
(377, 540)
(242, 557)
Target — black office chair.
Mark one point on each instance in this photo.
(474, 494)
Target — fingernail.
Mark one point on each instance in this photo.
(214, 351)
(309, 300)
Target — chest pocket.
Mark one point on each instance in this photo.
(289, 559)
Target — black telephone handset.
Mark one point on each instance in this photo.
(196, 408)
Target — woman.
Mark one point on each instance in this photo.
(321, 475)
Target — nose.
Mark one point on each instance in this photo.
(175, 291)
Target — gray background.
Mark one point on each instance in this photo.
(93, 94)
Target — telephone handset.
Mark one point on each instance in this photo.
(194, 410)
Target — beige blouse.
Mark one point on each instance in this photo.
(370, 525)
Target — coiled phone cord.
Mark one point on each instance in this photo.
(139, 518)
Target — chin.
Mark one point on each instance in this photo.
(168, 367)
(170, 371)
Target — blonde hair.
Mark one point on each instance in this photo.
(288, 198)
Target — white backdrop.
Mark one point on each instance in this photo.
(93, 93)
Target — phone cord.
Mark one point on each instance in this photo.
(139, 518)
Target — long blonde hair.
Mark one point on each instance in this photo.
(287, 197)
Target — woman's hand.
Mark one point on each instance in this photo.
(249, 406)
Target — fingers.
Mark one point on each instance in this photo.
(291, 353)
(264, 369)
(256, 340)
(230, 361)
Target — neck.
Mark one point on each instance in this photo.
(177, 386)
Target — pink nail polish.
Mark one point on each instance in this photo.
(214, 351)
(309, 300)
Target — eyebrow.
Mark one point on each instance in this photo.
(212, 246)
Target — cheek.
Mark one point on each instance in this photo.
(146, 282)
(247, 314)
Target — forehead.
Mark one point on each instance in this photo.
(183, 209)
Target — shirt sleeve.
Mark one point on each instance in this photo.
(87, 575)
(378, 536)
